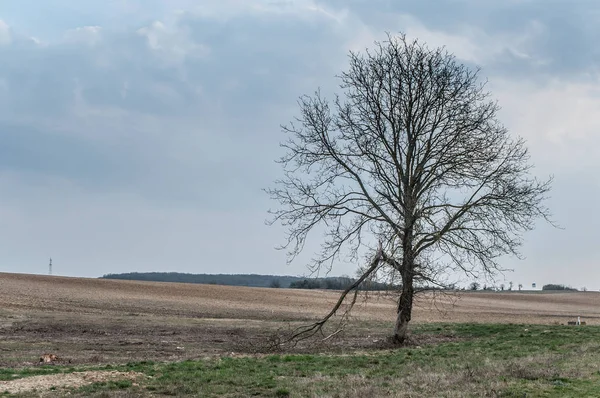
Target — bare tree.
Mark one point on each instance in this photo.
(411, 165)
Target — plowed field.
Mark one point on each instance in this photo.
(98, 321)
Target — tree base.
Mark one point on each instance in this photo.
(396, 341)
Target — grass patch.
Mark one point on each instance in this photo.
(7, 374)
(100, 387)
(482, 360)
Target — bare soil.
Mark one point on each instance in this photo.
(97, 321)
(64, 381)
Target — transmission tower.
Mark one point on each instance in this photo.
(50, 267)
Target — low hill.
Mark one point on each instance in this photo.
(250, 280)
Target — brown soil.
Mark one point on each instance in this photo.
(92, 321)
(59, 381)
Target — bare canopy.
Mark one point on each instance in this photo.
(411, 156)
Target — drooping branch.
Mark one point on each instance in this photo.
(305, 332)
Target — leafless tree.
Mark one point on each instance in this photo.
(411, 164)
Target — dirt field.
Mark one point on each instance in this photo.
(89, 321)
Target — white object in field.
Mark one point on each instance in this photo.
(578, 321)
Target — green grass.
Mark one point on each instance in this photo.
(478, 360)
(12, 374)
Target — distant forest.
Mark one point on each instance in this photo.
(251, 280)
(558, 287)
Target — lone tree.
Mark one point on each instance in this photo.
(411, 155)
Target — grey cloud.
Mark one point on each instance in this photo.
(220, 104)
(45, 80)
(31, 151)
(5, 34)
(147, 144)
(563, 41)
(241, 58)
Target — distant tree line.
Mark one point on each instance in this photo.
(250, 280)
(294, 282)
(338, 283)
(552, 286)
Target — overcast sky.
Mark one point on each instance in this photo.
(136, 135)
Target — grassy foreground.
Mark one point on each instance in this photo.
(473, 361)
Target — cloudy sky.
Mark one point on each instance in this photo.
(136, 135)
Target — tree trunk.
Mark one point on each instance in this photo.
(405, 302)
(408, 253)
(404, 309)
